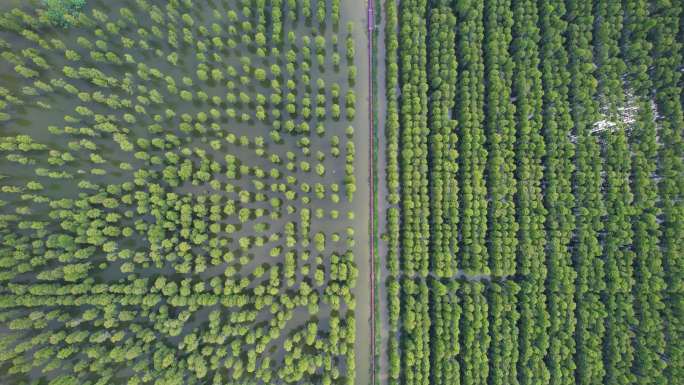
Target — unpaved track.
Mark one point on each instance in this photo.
(380, 108)
(371, 200)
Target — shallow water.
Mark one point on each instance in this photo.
(33, 121)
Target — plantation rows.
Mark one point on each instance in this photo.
(177, 194)
(535, 175)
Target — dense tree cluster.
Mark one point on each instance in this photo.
(415, 326)
(502, 228)
(503, 329)
(566, 164)
(443, 153)
(558, 197)
(173, 210)
(413, 138)
(667, 58)
(527, 88)
(590, 208)
(60, 12)
(472, 224)
(474, 333)
(648, 263)
(445, 315)
(392, 181)
(618, 236)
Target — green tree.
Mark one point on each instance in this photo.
(57, 10)
(527, 86)
(590, 284)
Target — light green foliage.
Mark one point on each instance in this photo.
(59, 10)
(166, 217)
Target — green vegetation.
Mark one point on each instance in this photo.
(558, 198)
(553, 184)
(446, 316)
(62, 12)
(392, 181)
(648, 301)
(500, 130)
(179, 194)
(588, 264)
(618, 236)
(472, 221)
(443, 152)
(174, 209)
(413, 140)
(667, 58)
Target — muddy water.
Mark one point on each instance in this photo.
(355, 11)
(34, 121)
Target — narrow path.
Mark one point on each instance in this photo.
(381, 204)
(371, 26)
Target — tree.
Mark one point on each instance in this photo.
(58, 10)
(472, 153)
(260, 39)
(319, 241)
(667, 59)
(527, 86)
(649, 285)
(558, 197)
(260, 74)
(586, 188)
(442, 61)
